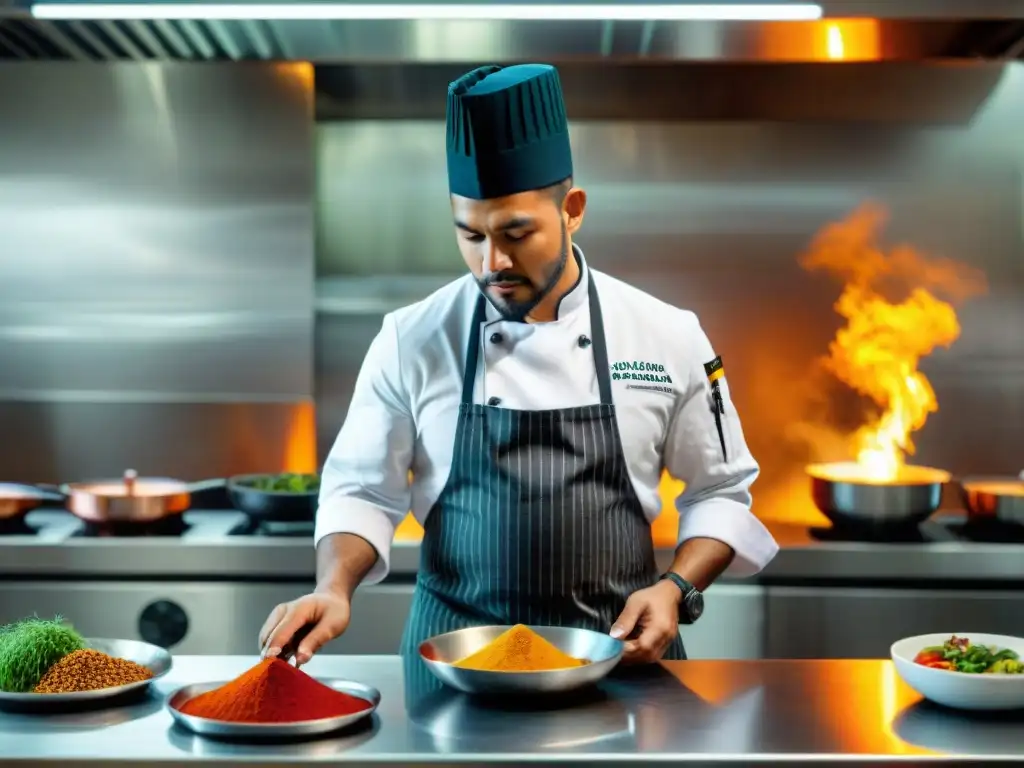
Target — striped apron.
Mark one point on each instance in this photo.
(538, 523)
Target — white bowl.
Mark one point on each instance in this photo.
(957, 689)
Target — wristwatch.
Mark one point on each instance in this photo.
(692, 605)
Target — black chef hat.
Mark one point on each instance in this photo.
(507, 131)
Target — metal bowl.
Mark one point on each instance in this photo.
(156, 659)
(847, 500)
(999, 499)
(601, 650)
(300, 729)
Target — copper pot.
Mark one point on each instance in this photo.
(994, 499)
(132, 499)
(17, 499)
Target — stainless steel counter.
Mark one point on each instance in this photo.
(699, 712)
(210, 549)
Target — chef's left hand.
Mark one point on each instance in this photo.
(651, 621)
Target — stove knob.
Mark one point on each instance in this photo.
(163, 623)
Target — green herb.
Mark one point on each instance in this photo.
(979, 659)
(287, 482)
(30, 647)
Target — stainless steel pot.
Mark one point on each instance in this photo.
(848, 499)
(994, 499)
(132, 499)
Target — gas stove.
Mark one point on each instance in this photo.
(951, 528)
(56, 525)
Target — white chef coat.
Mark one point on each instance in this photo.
(407, 395)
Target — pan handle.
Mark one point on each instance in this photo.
(207, 485)
(51, 492)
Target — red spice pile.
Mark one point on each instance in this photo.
(273, 692)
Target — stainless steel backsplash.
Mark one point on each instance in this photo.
(156, 269)
(157, 255)
(713, 216)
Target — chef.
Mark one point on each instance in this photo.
(524, 413)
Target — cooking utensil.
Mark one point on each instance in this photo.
(18, 499)
(960, 690)
(132, 499)
(848, 499)
(303, 728)
(271, 506)
(440, 653)
(157, 660)
(994, 499)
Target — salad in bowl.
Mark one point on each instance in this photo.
(963, 670)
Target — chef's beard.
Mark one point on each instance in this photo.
(516, 311)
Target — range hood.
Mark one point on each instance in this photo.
(865, 30)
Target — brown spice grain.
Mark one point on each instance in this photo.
(90, 670)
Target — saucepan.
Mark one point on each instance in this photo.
(850, 500)
(994, 499)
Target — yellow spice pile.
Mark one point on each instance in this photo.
(90, 670)
(519, 649)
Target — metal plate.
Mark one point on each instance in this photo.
(601, 650)
(219, 728)
(156, 659)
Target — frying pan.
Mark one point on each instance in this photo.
(17, 499)
(994, 499)
(132, 499)
(270, 506)
(849, 501)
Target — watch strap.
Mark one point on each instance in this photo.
(684, 586)
(691, 606)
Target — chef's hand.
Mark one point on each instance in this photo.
(303, 626)
(650, 621)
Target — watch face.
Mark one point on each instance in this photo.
(695, 605)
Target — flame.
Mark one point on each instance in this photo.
(833, 40)
(300, 443)
(878, 350)
(835, 46)
(409, 529)
(665, 528)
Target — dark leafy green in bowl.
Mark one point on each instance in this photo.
(959, 654)
(286, 482)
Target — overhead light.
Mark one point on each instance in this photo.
(482, 11)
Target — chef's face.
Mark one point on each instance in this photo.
(517, 246)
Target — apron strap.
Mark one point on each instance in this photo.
(599, 346)
(473, 350)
